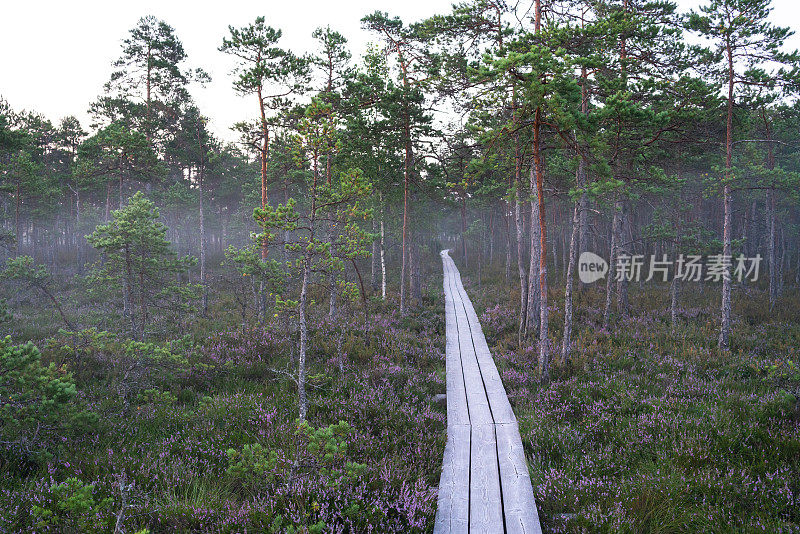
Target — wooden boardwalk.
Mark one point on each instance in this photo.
(485, 486)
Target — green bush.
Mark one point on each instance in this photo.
(252, 466)
(327, 447)
(71, 506)
(37, 404)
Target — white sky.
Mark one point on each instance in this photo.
(55, 55)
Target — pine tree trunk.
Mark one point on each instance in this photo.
(383, 256)
(108, 200)
(416, 271)
(464, 229)
(523, 280)
(781, 264)
(17, 228)
(301, 363)
(142, 305)
(406, 179)
(623, 248)
(202, 240)
(491, 237)
(725, 311)
(612, 262)
(262, 303)
(726, 281)
(773, 267)
(264, 160)
(506, 217)
(78, 242)
(333, 281)
(674, 290)
(582, 177)
(573, 257)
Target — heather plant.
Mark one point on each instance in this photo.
(651, 428)
(368, 458)
(303, 393)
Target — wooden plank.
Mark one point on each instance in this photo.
(452, 512)
(485, 503)
(519, 504)
(485, 485)
(495, 391)
(457, 409)
(477, 401)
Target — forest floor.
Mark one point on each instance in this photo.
(649, 430)
(645, 431)
(202, 430)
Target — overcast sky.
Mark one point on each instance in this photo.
(56, 55)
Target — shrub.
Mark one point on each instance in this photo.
(38, 403)
(252, 466)
(327, 447)
(71, 506)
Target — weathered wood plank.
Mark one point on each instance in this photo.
(485, 485)
(477, 401)
(457, 411)
(452, 513)
(519, 504)
(495, 392)
(485, 503)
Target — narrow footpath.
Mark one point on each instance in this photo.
(485, 485)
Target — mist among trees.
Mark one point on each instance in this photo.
(207, 335)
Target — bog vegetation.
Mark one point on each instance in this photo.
(210, 336)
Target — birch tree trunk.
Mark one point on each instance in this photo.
(544, 340)
(374, 267)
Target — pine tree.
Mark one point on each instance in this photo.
(269, 72)
(338, 206)
(745, 50)
(137, 257)
(113, 154)
(150, 82)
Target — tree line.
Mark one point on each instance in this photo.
(520, 136)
